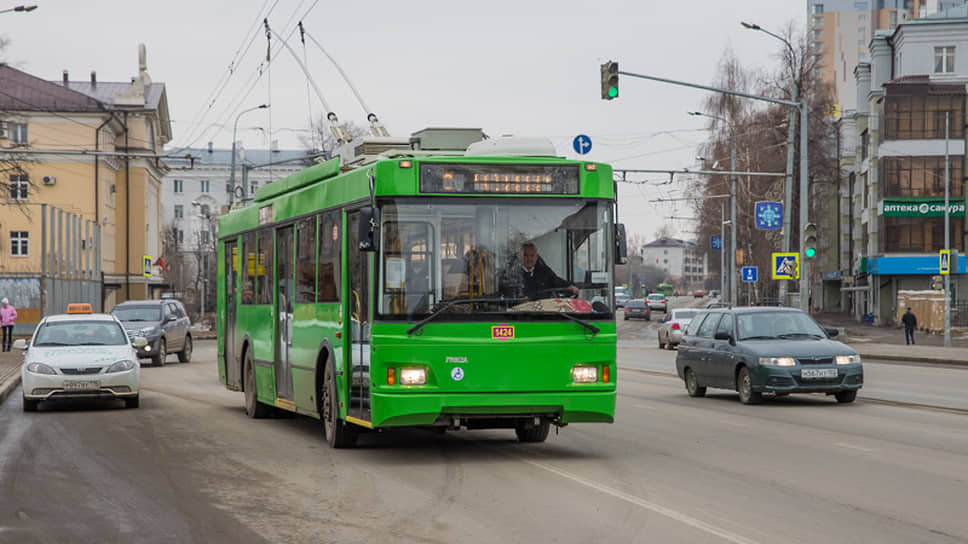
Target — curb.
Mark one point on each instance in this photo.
(910, 359)
(7, 387)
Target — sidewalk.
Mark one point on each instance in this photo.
(9, 371)
(887, 343)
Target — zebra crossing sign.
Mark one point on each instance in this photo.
(786, 266)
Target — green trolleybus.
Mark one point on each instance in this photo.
(390, 295)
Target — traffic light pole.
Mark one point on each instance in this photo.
(804, 181)
(947, 241)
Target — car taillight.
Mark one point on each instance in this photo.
(675, 326)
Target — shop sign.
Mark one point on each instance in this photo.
(921, 207)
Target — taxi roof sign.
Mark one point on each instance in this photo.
(79, 308)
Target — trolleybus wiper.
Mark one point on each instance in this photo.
(440, 310)
(581, 322)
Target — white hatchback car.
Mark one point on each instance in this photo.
(87, 356)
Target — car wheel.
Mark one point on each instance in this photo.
(185, 355)
(253, 407)
(337, 432)
(744, 384)
(132, 402)
(845, 397)
(692, 385)
(661, 343)
(30, 405)
(532, 433)
(159, 358)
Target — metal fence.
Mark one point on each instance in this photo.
(959, 313)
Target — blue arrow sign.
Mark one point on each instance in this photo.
(582, 144)
(769, 215)
(750, 273)
(716, 241)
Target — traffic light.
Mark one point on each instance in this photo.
(937, 283)
(609, 80)
(810, 240)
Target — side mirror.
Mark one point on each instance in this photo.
(139, 342)
(831, 332)
(722, 335)
(169, 318)
(369, 229)
(20, 343)
(621, 245)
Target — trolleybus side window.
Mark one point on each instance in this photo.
(306, 260)
(409, 279)
(264, 268)
(248, 287)
(329, 251)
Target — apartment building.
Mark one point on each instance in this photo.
(83, 173)
(683, 264)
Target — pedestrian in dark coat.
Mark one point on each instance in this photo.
(910, 323)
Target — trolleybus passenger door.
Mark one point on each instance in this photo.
(358, 310)
(233, 376)
(284, 294)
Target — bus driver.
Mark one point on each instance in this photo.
(532, 277)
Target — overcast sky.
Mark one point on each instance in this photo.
(527, 68)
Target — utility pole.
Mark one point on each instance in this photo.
(947, 241)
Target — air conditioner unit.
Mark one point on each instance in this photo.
(49, 180)
(4, 127)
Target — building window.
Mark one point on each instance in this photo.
(203, 185)
(921, 116)
(860, 6)
(917, 234)
(865, 142)
(205, 210)
(179, 211)
(918, 177)
(861, 31)
(818, 33)
(818, 9)
(18, 133)
(18, 187)
(178, 186)
(861, 18)
(203, 236)
(181, 236)
(19, 243)
(252, 188)
(944, 60)
(893, 19)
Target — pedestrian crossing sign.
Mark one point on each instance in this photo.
(146, 265)
(944, 266)
(786, 266)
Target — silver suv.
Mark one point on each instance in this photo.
(163, 323)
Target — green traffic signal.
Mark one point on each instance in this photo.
(810, 240)
(609, 80)
(810, 252)
(612, 92)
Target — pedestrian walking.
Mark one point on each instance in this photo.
(8, 316)
(910, 322)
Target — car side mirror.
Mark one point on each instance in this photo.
(20, 343)
(139, 342)
(722, 336)
(831, 332)
(169, 318)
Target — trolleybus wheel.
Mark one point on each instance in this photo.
(253, 407)
(533, 433)
(338, 433)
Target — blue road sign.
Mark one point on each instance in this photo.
(769, 215)
(582, 144)
(944, 267)
(750, 273)
(717, 242)
(786, 266)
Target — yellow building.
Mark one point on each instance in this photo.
(81, 161)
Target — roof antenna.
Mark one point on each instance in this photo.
(376, 127)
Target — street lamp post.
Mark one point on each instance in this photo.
(791, 134)
(23, 9)
(732, 202)
(235, 129)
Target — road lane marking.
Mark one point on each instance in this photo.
(853, 447)
(648, 505)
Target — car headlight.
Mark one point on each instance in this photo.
(848, 359)
(584, 374)
(121, 366)
(41, 368)
(777, 361)
(413, 376)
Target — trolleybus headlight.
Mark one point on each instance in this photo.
(848, 359)
(413, 376)
(584, 374)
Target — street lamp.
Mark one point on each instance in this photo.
(235, 129)
(732, 202)
(791, 132)
(24, 9)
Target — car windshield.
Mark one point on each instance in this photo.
(784, 324)
(635, 304)
(684, 314)
(80, 333)
(436, 252)
(137, 313)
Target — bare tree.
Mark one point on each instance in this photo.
(322, 139)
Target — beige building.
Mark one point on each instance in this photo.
(84, 201)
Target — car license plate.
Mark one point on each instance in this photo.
(82, 386)
(814, 373)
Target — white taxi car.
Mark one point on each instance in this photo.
(79, 356)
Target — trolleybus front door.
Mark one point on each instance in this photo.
(359, 312)
(233, 376)
(284, 294)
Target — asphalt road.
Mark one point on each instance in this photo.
(189, 466)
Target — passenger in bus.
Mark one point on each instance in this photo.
(531, 277)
